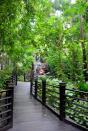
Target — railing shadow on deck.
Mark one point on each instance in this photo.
(63, 102)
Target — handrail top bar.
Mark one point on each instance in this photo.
(49, 84)
(73, 89)
(67, 88)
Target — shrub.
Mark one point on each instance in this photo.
(4, 75)
(83, 87)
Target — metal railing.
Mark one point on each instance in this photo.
(6, 105)
(70, 105)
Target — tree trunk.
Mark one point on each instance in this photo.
(83, 50)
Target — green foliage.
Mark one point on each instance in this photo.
(5, 74)
(28, 26)
(53, 81)
(78, 114)
(83, 87)
(20, 78)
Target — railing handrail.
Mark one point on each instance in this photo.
(6, 105)
(72, 89)
(63, 97)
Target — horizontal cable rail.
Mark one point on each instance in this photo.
(76, 98)
(5, 98)
(78, 105)
(6, 118)
(5, 90)
(75, 90)
(4, 105)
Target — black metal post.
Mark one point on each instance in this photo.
(31, 84)
(12, 78)
(12, 99)
(44, 92)
(62, 100)
(24, 77)
(10, 93)
(36, 86)
(16, 79)
(31, 78)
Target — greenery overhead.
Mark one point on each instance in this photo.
(57, 30)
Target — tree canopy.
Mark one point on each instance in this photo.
(56, 29)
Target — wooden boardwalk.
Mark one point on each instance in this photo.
(30, 115)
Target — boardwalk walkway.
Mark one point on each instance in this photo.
(30, 115)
